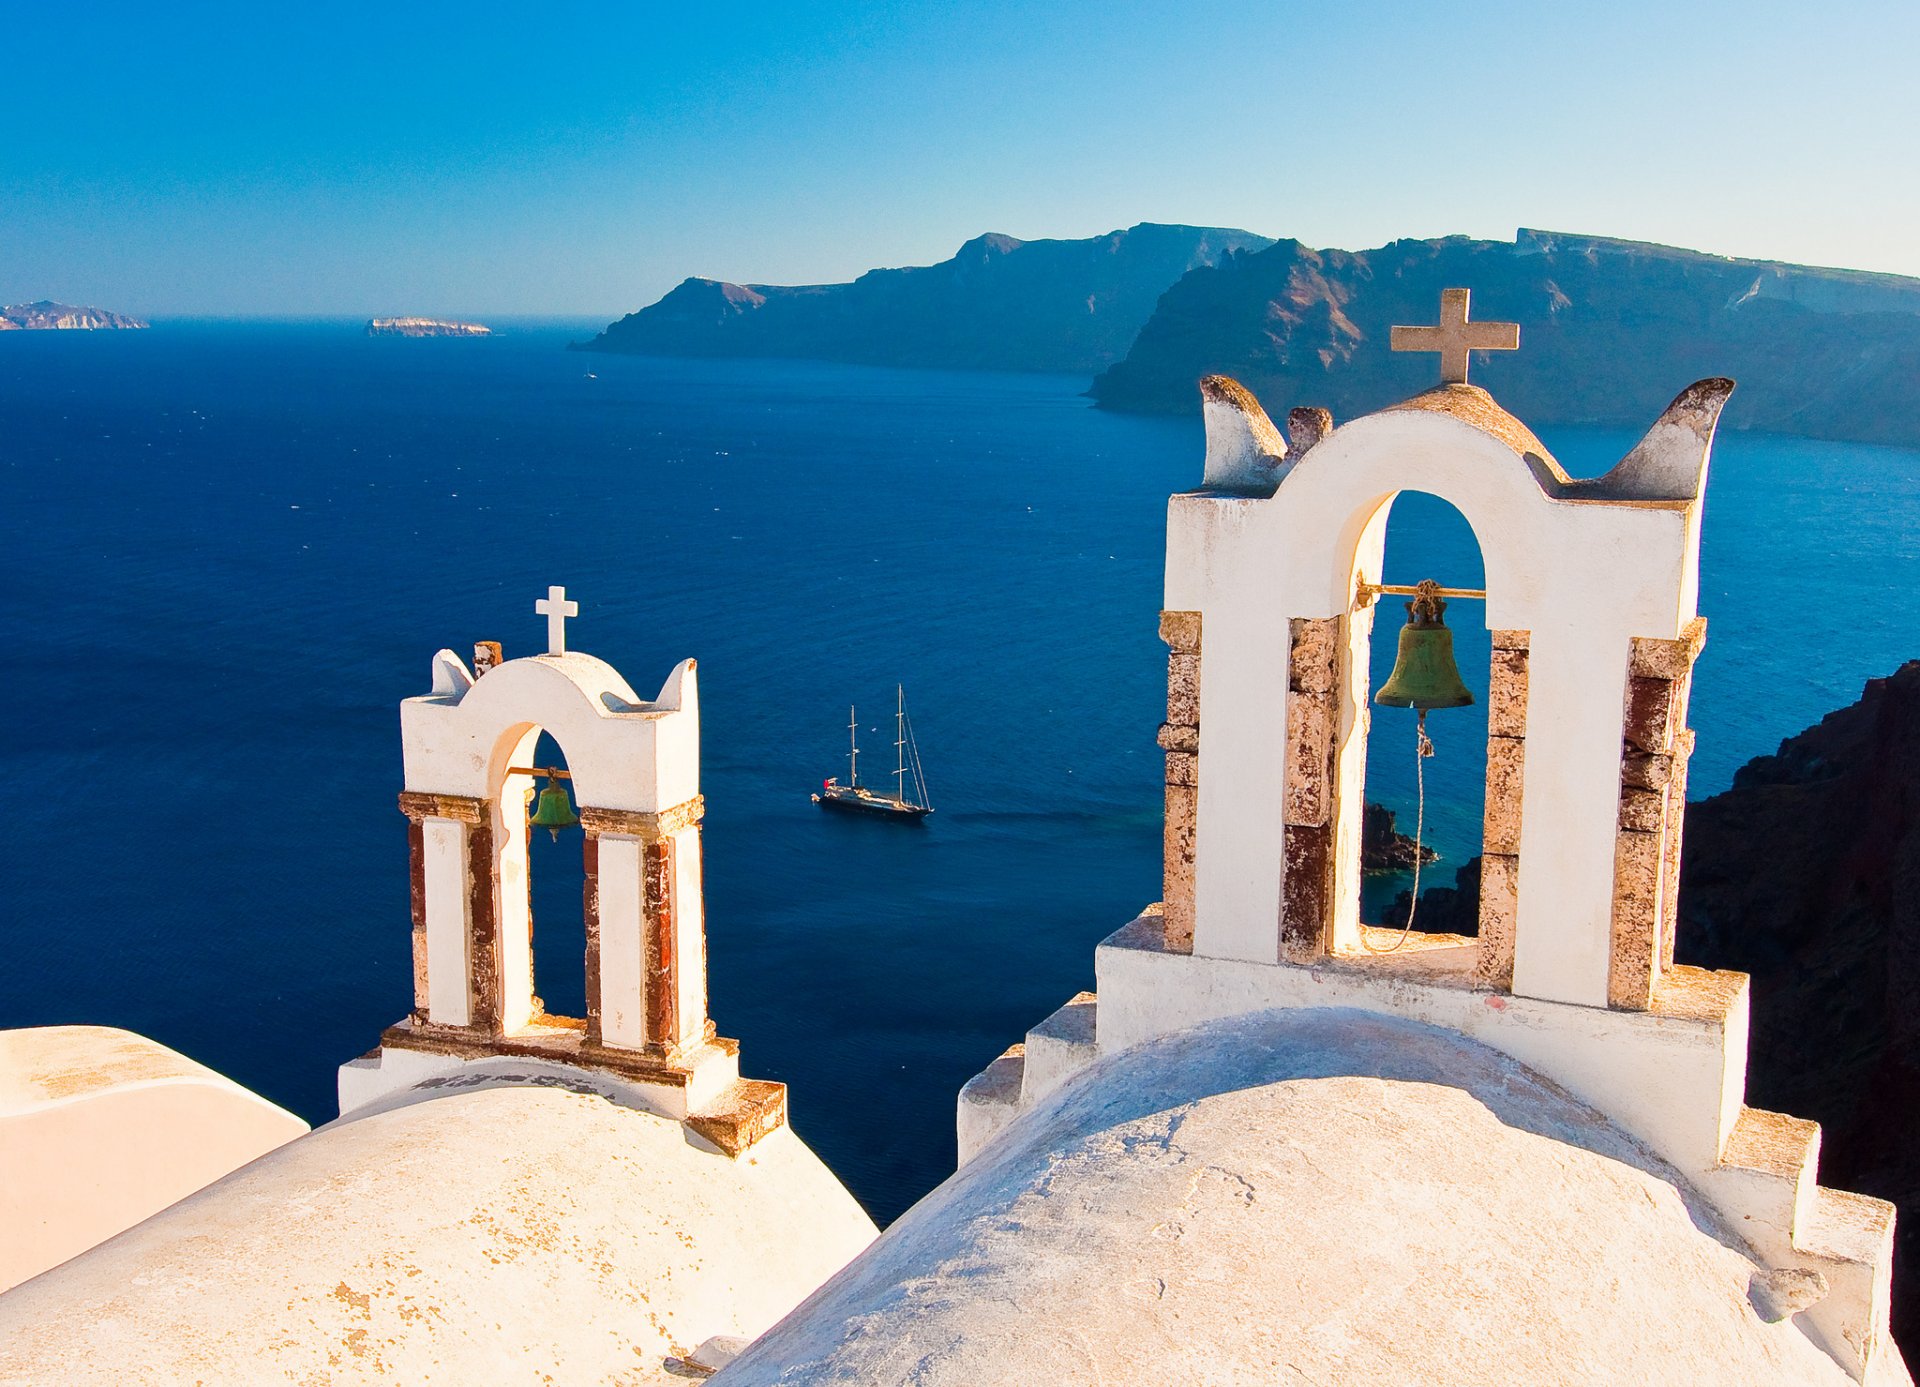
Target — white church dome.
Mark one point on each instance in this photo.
(1313, 1197)
(511, 1223)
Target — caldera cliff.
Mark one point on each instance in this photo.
(1609, 329)
(999, 304)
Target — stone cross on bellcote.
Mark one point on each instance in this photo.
(556, 609)
(1455, 338)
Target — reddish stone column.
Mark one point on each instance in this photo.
(1312, 720)
(1655, 747)
(1500, 827)
(1180, 739)
(475, 816)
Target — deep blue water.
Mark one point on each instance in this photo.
(232, 549)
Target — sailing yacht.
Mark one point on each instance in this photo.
(857, 798)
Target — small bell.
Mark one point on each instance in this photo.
(1424, 673)
(553, 811)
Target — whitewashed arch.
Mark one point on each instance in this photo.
(1584, 567)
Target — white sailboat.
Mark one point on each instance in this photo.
(857, 798)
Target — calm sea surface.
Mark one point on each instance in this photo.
(230, 550)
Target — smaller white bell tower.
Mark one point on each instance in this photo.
(634, 769)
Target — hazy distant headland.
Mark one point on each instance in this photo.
(1610, 329)
(998, 304)
(425, 327)
(47, 315)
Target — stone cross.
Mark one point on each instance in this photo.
(1456, 337)
(556, 609)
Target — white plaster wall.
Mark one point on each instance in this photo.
(690, 935)
(101, 1128)
(513, 900)
(1675, 1083)
(623, 974)
(1583, 576)
(448, 909)
(624, 753)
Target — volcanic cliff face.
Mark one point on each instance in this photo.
(1806, 874)
(998, 304)
(47, 315)
(1608, 330)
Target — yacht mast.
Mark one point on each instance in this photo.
(853, 749)
(900, 743)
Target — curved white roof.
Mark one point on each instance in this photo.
(1313, 1197)
(516, 1223)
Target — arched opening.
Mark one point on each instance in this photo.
(541, 891)
(1436, 803)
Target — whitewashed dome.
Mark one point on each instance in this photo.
(510, 1223)
(1314, 1197)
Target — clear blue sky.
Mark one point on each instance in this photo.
(268, 159)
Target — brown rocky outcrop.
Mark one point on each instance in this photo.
(1383, 847)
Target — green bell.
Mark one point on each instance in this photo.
(553, 811)
(1424, 673)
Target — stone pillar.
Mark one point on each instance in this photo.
(1500, 828)
(646, 945)
(1655, 746)
(455, 965)
(1312, 720)
(1180, 739)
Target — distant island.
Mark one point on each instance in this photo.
(999, 304)
(46, 315)
(425, 327)
(1610, 329)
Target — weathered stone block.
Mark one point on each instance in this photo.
(1314, 663)
(1642, 811)
(1183, 689)
(1176, 737)
(1649, 722)
(1512, 640)
(1181, 631)
(1642, 770)
(1183, 768)
(1507, 694)
(1177, 854)
(1306, 894)
(1308, 795)
(1306, 426)
(486, 656)
(1664, 659)
(1499, 919)
(1506, 766)
(1636, 919)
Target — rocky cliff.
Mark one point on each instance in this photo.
(1806, 875)
(47, 314)
(998, 304)
(1609, 330)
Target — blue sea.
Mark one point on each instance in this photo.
(232, 549)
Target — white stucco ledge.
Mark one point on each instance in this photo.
(1304, 1196)
(519, 1225)
(99, 1128)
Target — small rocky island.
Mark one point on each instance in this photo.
(425, 327)
(46, 315)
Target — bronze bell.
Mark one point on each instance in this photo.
(553, 811)
(1424, 673)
